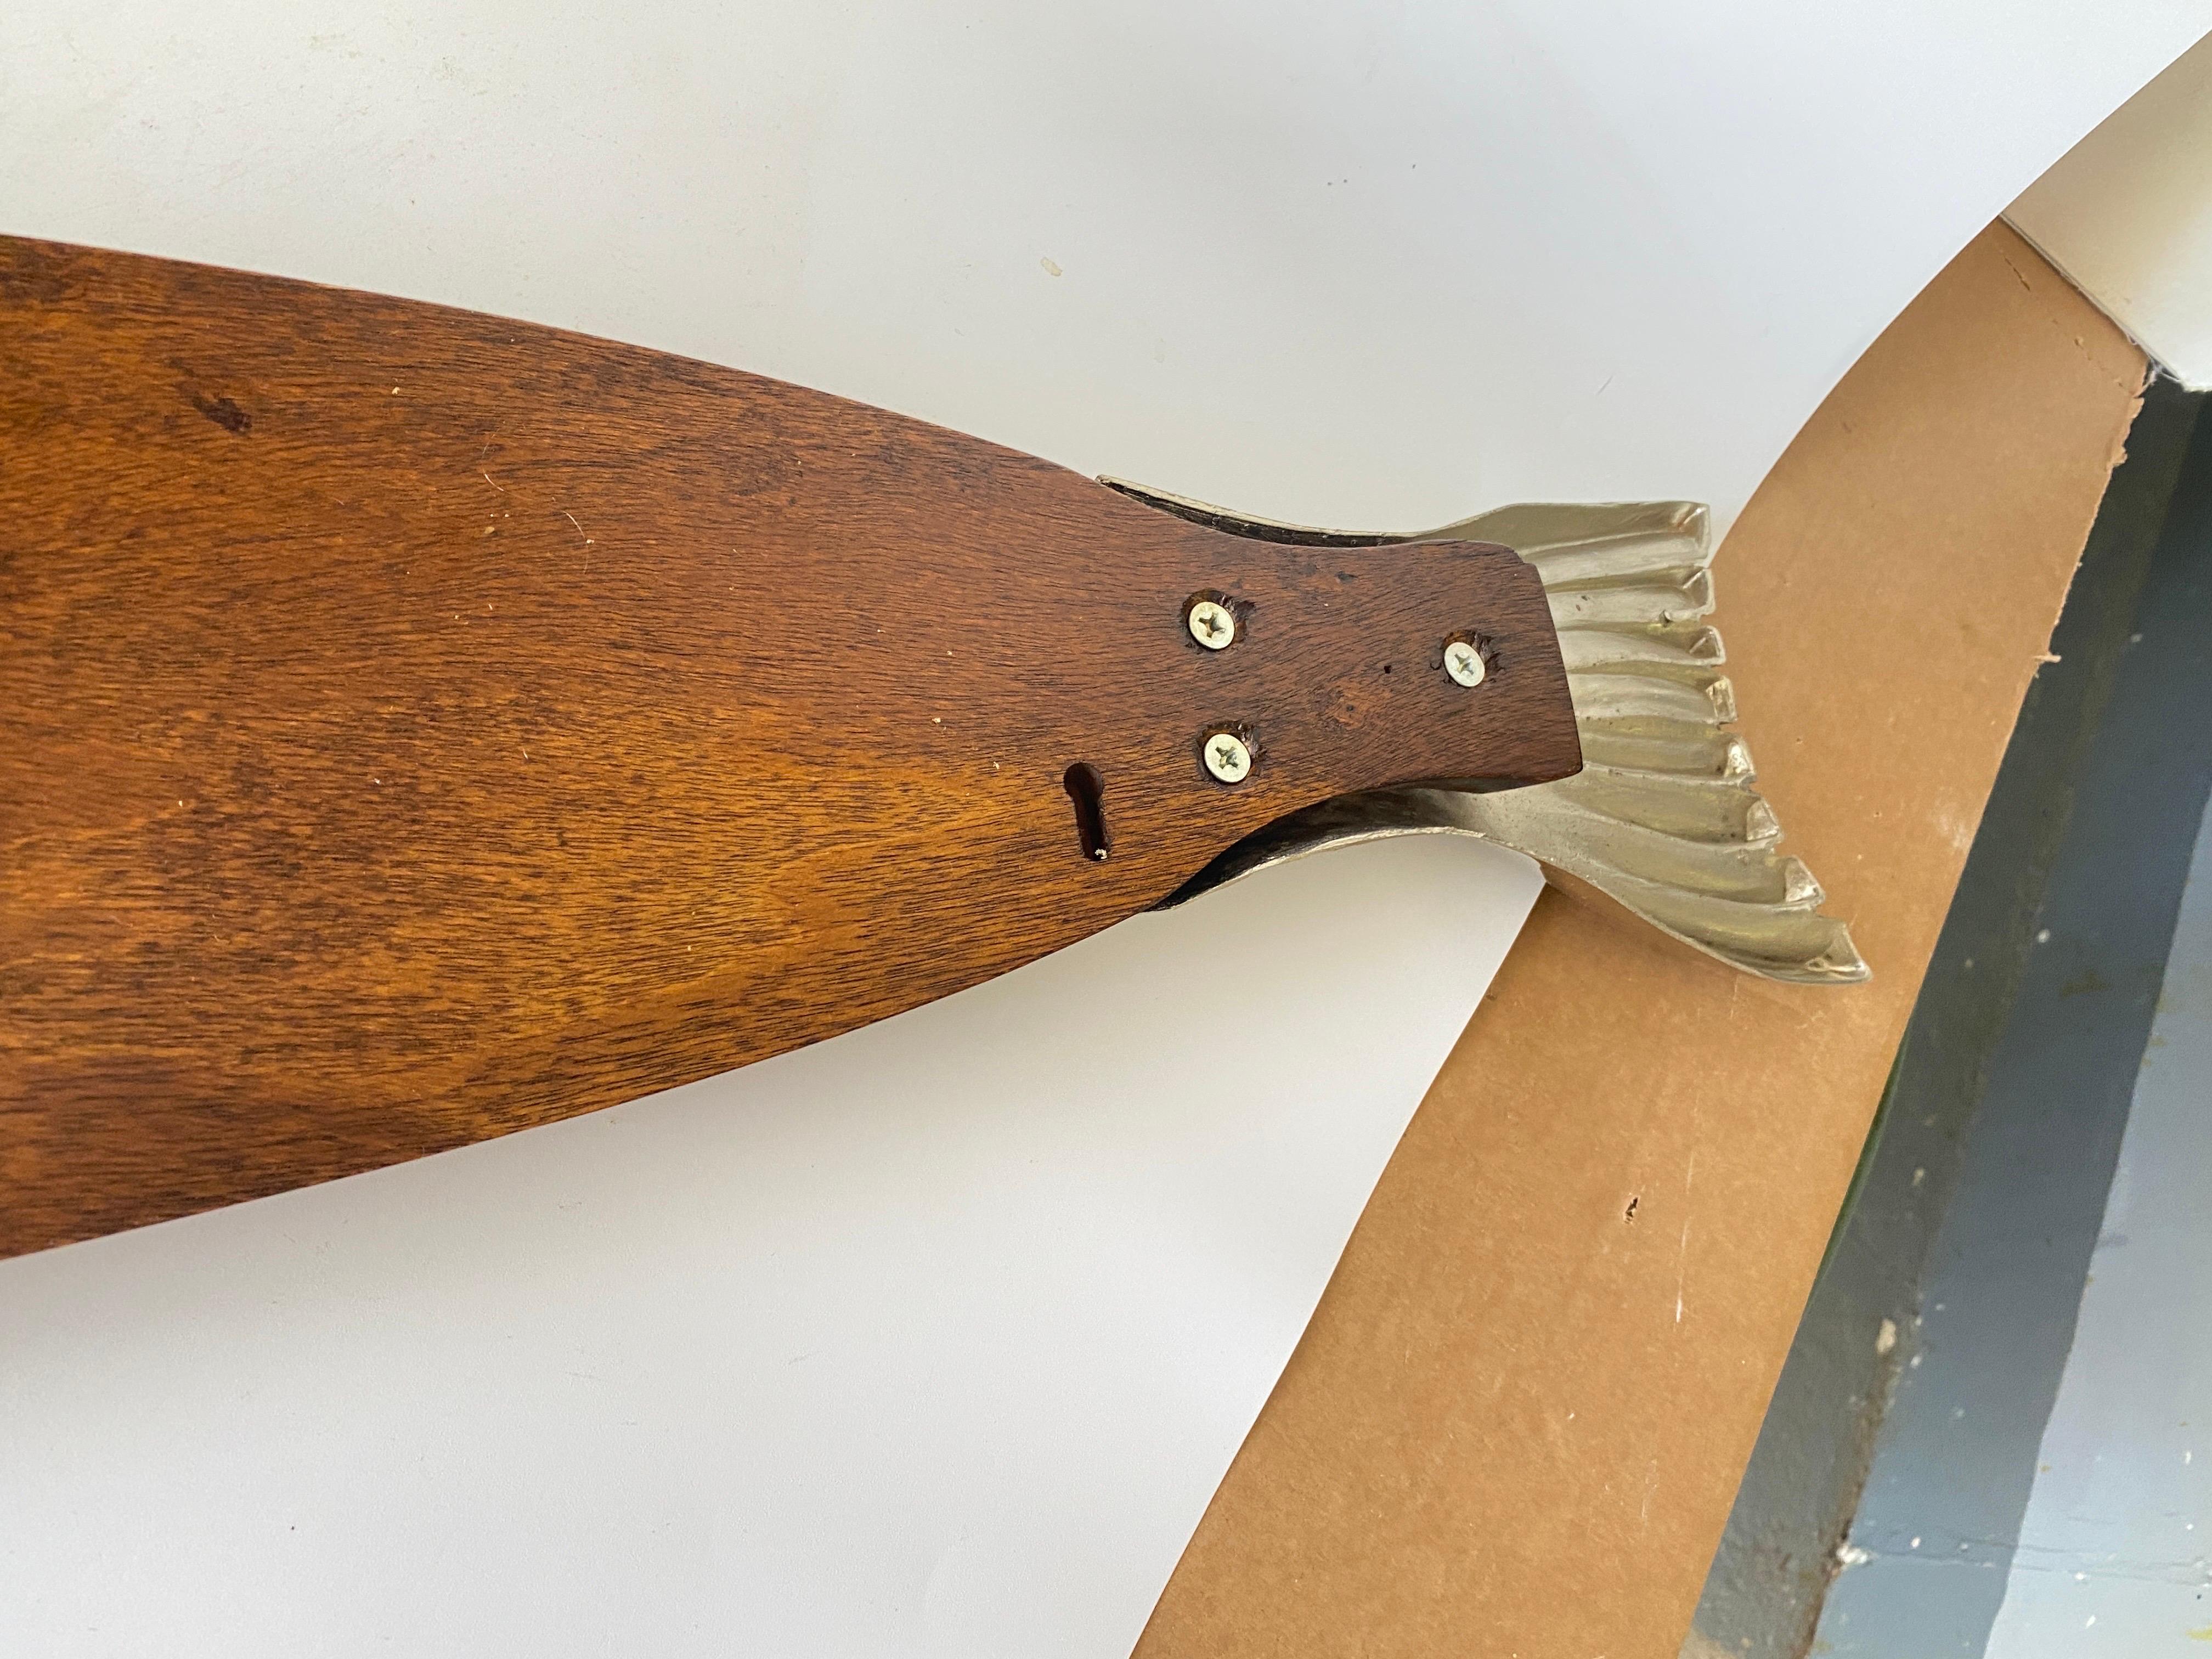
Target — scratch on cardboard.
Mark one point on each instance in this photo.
(1689, 1179)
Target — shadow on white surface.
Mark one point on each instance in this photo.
(2127, 214)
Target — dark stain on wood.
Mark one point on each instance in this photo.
(466, 724)
(223, 412)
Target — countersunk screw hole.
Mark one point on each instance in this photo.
(1088, 790)
(1227, 756)
(1467, 659)
(1212, 619)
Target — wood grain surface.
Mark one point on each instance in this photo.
(415, 726)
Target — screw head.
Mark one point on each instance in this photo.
(1211, 624)
(1226, 756)
(1464, 662)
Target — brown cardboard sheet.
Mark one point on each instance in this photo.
(1517, 1420)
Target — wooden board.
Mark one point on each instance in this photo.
(415, 726)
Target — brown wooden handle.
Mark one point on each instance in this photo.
(415, 726)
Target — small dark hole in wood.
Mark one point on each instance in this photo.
(1087, 790)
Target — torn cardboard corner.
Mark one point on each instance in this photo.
(1518, 1418)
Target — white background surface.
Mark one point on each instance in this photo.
(2128, 215)
(936, 1339)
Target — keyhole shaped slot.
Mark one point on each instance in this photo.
(1087, 790)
